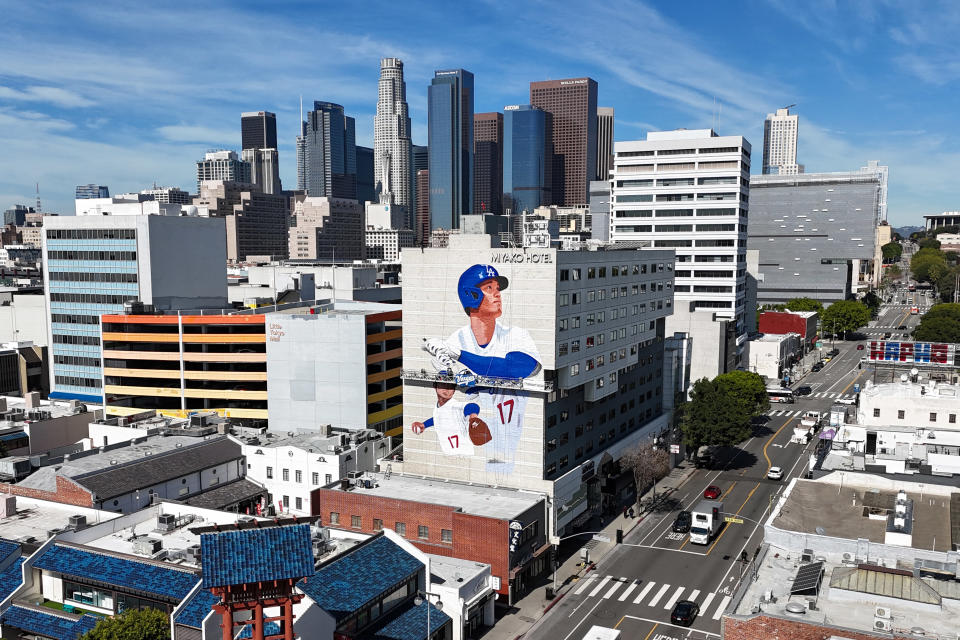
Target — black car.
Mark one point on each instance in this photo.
(833, 353)
(802, 391)
(684, 613)
(817, 366)
(682, 523)
(903, 326)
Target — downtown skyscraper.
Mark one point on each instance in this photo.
(450, 142)
(258, 134)
(327, 153)
(392, 177)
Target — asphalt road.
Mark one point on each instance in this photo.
(635, 586)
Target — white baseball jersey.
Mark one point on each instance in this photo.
(502, 410)
(452, 428)
(504, 341)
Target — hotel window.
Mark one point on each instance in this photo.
(876, 413)
(953, 418)
(286, 502)
(298, 475)
(299, 504)
(269, 472)
(315, 478)
(286, 475)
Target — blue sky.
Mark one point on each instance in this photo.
(128, 94)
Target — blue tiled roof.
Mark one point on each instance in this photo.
(6, 548)
(197, 609)
(411, 624)
(256, 555)
(50, 624)
(360, 575)
(11, 578)
(121, 572)
(269, 629)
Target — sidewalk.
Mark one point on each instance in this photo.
(529, 610)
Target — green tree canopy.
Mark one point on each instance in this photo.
(845, 316)
(804, 304)
(894, 271)
(940, 324)
(928, 265)
(891, 251)
(712, 417)
(872, 300)
(747, 387)
(929, 243)
(136, 624)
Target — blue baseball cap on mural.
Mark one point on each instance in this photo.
(468, 288)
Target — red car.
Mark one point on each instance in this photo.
(712, 492)
(860, 347)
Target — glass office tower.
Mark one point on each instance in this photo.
(527, 157)
(450, 142)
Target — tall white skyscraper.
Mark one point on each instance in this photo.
(391, 139)
(688, 190)
(780, 143)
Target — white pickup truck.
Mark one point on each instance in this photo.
(809, 425)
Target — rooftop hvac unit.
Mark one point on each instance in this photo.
(353, 475)
(166, 522)
(78, 522)
(193, 553)
(147, 546)
(882, 612)
(881, 624)
(807, 555)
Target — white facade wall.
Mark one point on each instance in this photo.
(931, 409)
(25, 319)
(769, 355)
(689, 191)
(391, 138)
(120, 206)
(780, 143)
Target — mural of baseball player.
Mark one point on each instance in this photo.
(456, 422)
(486, 347)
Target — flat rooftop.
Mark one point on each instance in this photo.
(480, 500)
(842, 608)
(929, 391)
(839, 512)
(34, 518)
(445, 569)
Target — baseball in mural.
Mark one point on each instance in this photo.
(476, 414)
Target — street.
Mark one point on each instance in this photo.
(636, 585)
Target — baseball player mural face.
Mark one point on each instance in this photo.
(489, 360)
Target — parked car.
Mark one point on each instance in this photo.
(802, 391)
(682, 523)
(887, 335)
(903, 326)
(833, 353)
(860, 347)
(684, 613)
(712, 492)
(775, 473)
(817, 366)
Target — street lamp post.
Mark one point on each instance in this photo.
(425, 596)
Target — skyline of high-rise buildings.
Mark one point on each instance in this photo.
(487, 162)
(450, 147)
(393, 180)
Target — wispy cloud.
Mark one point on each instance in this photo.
(51, 95)
(195, 133)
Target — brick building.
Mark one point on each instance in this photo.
(803, 323)
(500, 527)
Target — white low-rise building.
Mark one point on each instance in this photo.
(771, 355)
(903, 427)
(292, 466)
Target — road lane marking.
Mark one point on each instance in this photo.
(659, 595)
(586, 583)
(653, 546)
(615, 586)
(647, 637)
(673, 599)
(693, 595)
(723, 605)
(687, 630)
(707, 601)
(600, 586)
(643, 594)
(727, 492)
(633, 585)
(589, 613)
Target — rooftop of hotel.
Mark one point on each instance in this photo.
(309, 440)
(493, 502)
(906, 389)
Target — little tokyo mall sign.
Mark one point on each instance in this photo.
(913, 352)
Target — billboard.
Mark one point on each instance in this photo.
(913, 352)
(478, 336)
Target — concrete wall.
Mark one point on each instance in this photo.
(188, 263)
(708, 348)
(316, 371)
(24, 319)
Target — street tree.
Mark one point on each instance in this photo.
(713, 418)
(648, 464)
(873, 301)
(845, 316)
(927, 265)
(135, 624)
(804, 304)
(748, 388)
(940, 324)
(891, 251)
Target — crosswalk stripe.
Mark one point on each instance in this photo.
(659, 595)
(707, 601)
(723, 605)
(693, 595)
(616, 585)
(673, 599)
(643, 593)
(586, 583)
(600, 586)
(633, 585)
